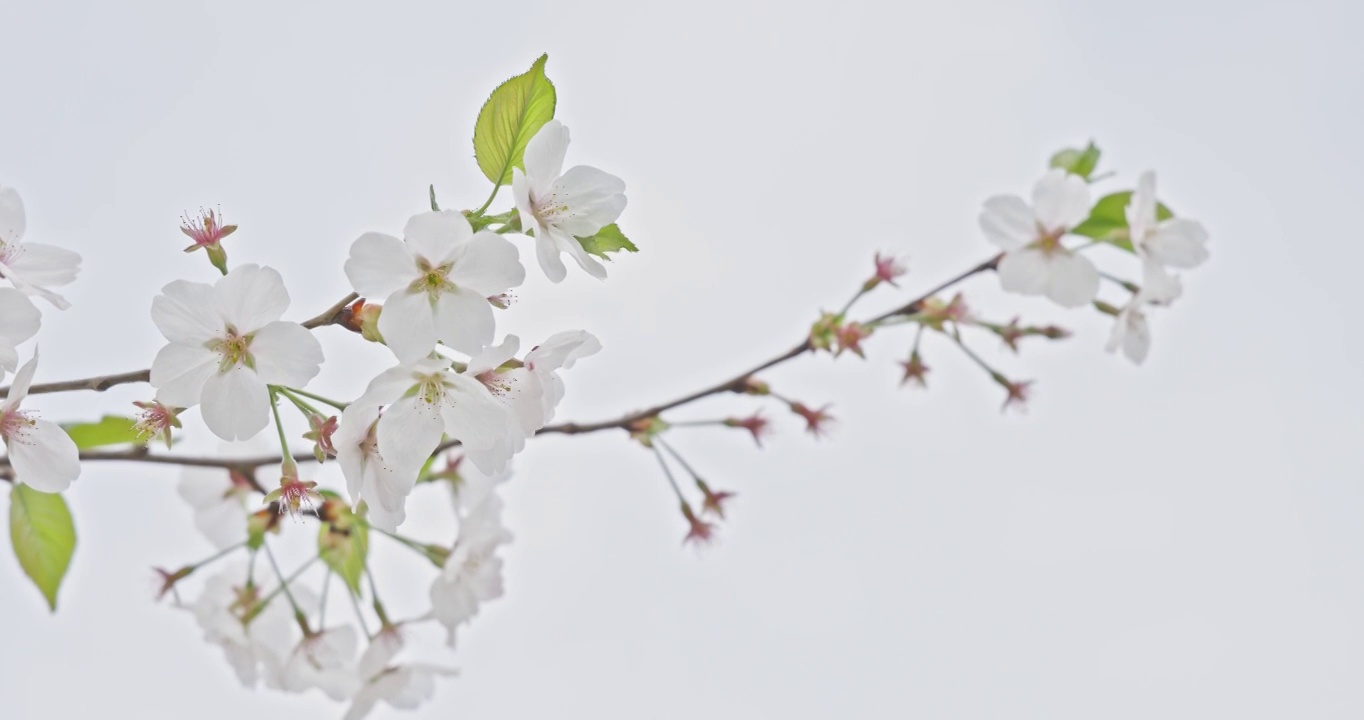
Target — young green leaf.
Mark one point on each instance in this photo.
(110, 430)
(344, 545)
(1080, 162)
(607, 240)
(510, 118)
(43, 536)
(1107, 222)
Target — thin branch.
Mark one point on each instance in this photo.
(338, 314)
(735, 384)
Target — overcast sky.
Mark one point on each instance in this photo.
(1180, 540)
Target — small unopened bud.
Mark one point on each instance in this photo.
(887, 270)
(713, 501)
(817, 422)
(915, 370)
(364, 319)
(646, 429)
(754, 386)
(699, 532)
(850, 338)
(1105, 308)
(824, 333)
(321, 435)
(757, 426)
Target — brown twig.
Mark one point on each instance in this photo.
(734, 384)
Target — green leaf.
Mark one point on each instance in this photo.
(607, 240)
(434, 206)
(111, 430)
(1107, 222)
(510, 118)
(344, 544)
(43, 536)
(1077, 161)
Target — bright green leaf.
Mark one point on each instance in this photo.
(510, 118)
(43, 536)
(1080, 162)
(1108, 220)
(608, 240)
(344, 545)
(111, 430)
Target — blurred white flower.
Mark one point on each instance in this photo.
(1175, 242)
(1035, 262)
(435, 282)
(1131, 331)
(226, 344)
(472, 574)
(563, 206)
(43, 456)
(324, 660)
(226, 612)
(32, 267)
(402, 686)
(19, 321)
(219, 497)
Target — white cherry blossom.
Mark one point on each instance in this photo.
(370, 475)
(19, 321)
(1174, 242)
(435, 282)
(43, 456)
(227, 344)
(402, 686)
(426, 399)
(563, 206)
(532, 388)
(32, 268)
(1035, 262)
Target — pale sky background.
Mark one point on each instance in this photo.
(1180, 540)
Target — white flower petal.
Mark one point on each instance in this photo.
(1178, 243)
(1024, 272)
(387, 386)
(12, 218)
(236, 404)
(44, 457)
(186, 313)
(45, 265)
(437, 237)
(408, 433)
(1141, 209)
(285, 353)
(544, 157)
(493, 356)
(463, 320)
(179, 373)
(488, 264)
(408, 324)
(562, 349)
(380, 265)
(1008, 222)
(19, 321)
(547, 252)
(594, 199)
(570, 245)
(1072, 279)
(351, 435)
(1060, 200)
(250, 297)
(1158, 286)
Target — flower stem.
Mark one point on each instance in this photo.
(678, 458)
(319, 398)
(667, 472)
(279, 426)
(489, 203)
(284, 587)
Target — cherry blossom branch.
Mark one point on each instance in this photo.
(337, 314)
